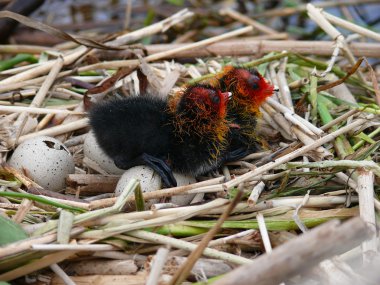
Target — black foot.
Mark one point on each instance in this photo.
(161, 168)
(236, 154)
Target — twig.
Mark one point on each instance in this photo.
(25, 206)
(57, 130)
(294, 154)
(24, 245)
(340, 163)
(264, 233)
(336, 121)
(163, 193)
(374, 82)
(65, 224)
(296, 218)
(316, 15)
(34, 110)
(185, 269)
(116, 207)
(296, 119)
(177, 243)
(167, 53)
(155, 28)
(367, 210)
(247, 20)
(255, 194)
(344, 78)
(73, 247)
(112, 230)
(352, 27)
(40, 96)
(300, 8)
(158, 263)
(224, 240)
(40, 263)
(242, 46)
(286, 97)
(283, 262)
(62, 274)
(24, 49)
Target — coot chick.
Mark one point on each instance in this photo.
(200, 129)
(250, 90)
(135, 131)
(143, 130)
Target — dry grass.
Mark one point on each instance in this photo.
(318, 162)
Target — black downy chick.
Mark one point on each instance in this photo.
(135, 131)
(143, 130)
(200, 130)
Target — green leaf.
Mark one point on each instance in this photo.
(366, 138)
(10, 231)
(9, 63)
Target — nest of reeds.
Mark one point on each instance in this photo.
(296, 211)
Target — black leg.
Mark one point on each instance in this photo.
(161, 168)
(236, 154)
(157, 164)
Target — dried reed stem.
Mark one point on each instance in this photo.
(284, 261)
(367, 210)
(57, 130)
(162, 193)
(264, 233)
(352, 27)
(243, 46)
(158, 264)
(24, 49)
(181, 244)
(73, 247)
(316, 15)
(255, 194)
(40, 96)
(247, 20)
(284, 94)
(155, 28)
(295, 153)
(62, 274)
(24, 245)
(35, 110)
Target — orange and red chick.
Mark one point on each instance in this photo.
(249, 91)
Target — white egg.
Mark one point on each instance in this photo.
(151, 181)
(182, 180)
(46, 160)
(93, 151)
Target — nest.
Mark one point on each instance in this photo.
(288, 213)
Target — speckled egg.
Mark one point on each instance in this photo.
(182, 180)
(46, 160)
(93, 151)
(151, 181)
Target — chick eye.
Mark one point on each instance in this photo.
(253, 82)
(215, 99)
